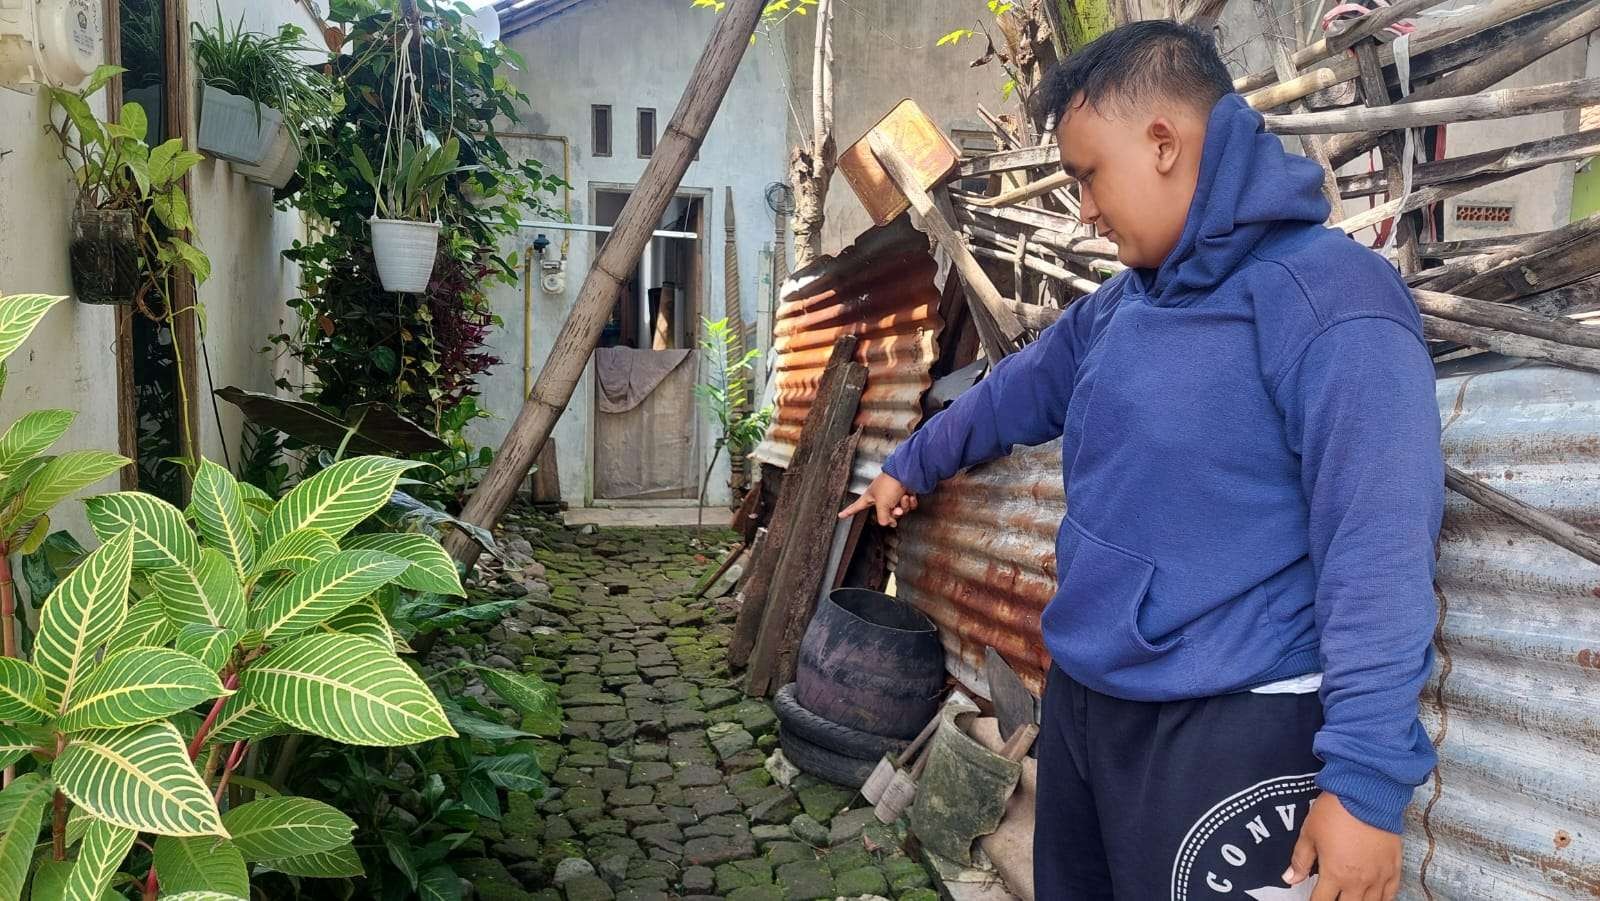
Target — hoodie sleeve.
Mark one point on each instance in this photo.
(1361, 412)
(1022, 401)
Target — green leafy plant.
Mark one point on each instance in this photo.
(725, 394)
(116, 170)
(267, 69)
(413, 189)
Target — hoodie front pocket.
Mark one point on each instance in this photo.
(1095, 619)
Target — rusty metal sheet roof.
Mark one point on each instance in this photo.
(881, 288)
(1514, 704)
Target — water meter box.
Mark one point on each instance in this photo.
(50, 42)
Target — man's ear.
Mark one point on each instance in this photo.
(1165, 138)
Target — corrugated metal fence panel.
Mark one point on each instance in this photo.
(979, 559)
(882, 289)
(1515, 704)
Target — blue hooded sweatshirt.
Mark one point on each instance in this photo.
(1250, 450)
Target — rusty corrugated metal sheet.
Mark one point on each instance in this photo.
(979, 559)
(882, 288)
(1514, 705)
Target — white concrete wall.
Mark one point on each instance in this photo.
(70, 362)
(632, 54)
(884, 53)
(245, 235)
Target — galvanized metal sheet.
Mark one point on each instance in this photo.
(881, 289)
(1514, 704)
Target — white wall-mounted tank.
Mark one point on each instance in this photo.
(51, 42)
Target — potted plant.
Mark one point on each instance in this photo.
(405, 238)
(257, 98)
(125, 189)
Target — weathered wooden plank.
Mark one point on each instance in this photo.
(1045, 156)
(814, 435)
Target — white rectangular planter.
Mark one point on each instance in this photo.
(280, 163)
(405, 251)
(230, 128)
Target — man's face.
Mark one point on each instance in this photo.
(1136, 171)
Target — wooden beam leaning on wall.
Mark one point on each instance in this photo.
(809, 450)
(998, 327)
(800, 560)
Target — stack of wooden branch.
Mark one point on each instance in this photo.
(1523, 295)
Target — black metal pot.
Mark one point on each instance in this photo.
(871, 663)
(105, 256)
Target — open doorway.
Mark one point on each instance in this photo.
(646, 426)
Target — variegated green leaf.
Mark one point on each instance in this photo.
(22, 807)
(62, 476)
(513, 772)
(19, 314)
(245, 720)
(286, 827)
(21, 692)
(340, 862)
(104, 848)
(209, 594)
(161, 538)
(140, 778)
(200, 863)
(296, 550)
(212, 646)
(324, 589)
(31, 436)
(365, 619)
(50, 880)
(431, 567)
(145, 626)
(219, 512)
(439, 883)
(14, 745)
(336, 499)
(137, 686)
(201, 896)
(530, 695)
(348, 689)
(82, 614)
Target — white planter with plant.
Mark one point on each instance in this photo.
(258, 98)
(405, 237)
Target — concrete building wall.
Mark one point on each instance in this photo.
(70, 362)
(883, 53)
(630, 54)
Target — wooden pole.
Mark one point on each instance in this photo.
(1375, 92)
(581, 331)
(1488, 314)
(1279, 37)
(1512, 344)
(1558, 531)
(1517, 158)
(1483, 73)
(1502, 104)
(997, 328)
(1366, 26)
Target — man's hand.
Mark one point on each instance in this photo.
(1354, 861)
(886, 496)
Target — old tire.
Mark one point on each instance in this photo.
(829, 735)
(871, 662)
(831, 766)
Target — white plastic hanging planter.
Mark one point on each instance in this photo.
(231, 129)
(405, 251)
(280, 164)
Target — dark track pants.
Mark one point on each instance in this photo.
(1189, 800)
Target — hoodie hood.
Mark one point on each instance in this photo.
(1248, 185)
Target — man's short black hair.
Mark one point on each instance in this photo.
(1138, 62)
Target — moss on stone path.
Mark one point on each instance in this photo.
(658, 787)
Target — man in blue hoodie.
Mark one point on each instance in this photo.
(1250, 449)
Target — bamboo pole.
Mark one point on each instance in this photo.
(579, 334)
(1028, 191)
(1417, 200)
(1511, 160)
(1502, 104)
